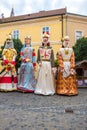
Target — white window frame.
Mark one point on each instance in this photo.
(77, 36)
(17, 35)
(45, 29)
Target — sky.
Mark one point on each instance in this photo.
(22, 7)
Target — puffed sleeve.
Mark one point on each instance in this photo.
(60, 60)
(72, 60)
(34, 57)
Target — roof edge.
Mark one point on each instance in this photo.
(40, 14)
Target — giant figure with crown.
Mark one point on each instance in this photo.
(66, 82)
(45, 59)
(8, 77)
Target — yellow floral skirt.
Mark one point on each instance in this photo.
(66, 86)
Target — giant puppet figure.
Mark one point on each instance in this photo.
(45, 58)
(66, 82)
(8, 77)
(27, 81)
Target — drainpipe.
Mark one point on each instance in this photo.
(66, 24)
(62, 33)
(62, 26)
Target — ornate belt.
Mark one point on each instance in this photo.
(45, 60)
(66, 60)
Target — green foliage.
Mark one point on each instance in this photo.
(56, 63)
(2, 47)
(80, 49)
(17, 45)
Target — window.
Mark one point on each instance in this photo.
(78, 35)
(45, 29)
(16, 34)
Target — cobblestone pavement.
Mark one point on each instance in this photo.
(27, 111)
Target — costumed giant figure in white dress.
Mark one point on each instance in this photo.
(45, 81)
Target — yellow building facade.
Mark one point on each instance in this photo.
(76, 27)
(57, 22)
(34, 29)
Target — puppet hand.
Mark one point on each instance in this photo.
(27, 60)
(13, 62)
(40, 64)
(5, 62)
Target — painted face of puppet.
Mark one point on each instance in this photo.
(45, 40)
(27, 41)
(66, 42)
(8, 41)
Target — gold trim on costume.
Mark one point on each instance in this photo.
(66, 60)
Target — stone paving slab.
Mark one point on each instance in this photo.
(24, 111)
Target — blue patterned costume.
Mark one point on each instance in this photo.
(27, 81)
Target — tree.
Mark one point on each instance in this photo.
(80, 49)
(17, 45)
